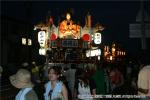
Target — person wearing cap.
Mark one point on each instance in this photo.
(22, 81)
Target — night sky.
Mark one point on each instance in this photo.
(114, 15)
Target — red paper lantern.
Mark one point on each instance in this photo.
(86, 37)
(53, 37)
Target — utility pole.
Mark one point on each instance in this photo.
(143, 38)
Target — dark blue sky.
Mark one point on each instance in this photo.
(106, 12)
(115, 15)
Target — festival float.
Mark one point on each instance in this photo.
(69, 42)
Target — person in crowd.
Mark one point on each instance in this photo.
(22, 81)
(119, 85)
(35, 73)
(144, 82)
(70, 76)
(116, 78)
(45, 72)
(54, 88)
(85, 87)
(107, 80)
(99, 78)
(129, 72)
(64, 80)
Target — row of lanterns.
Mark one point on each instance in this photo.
(111, 53)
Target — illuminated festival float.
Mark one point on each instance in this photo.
(69, 42)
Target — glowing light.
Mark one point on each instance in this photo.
(42, 51)
(113, 49)
(107, 48)
(111, 58)
(29, 42)
(92, 53)
(35, 28)
(68, 28)
(92, 37)
(42, 38)
(24, 41)
(68, 16)
(122, 53)
(97, 38)
(99, 57)
(117, 53)
(105, 53)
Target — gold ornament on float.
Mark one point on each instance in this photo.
(68, 29)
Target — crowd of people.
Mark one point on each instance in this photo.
(76, 83)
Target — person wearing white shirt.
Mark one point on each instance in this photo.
(144, 82)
